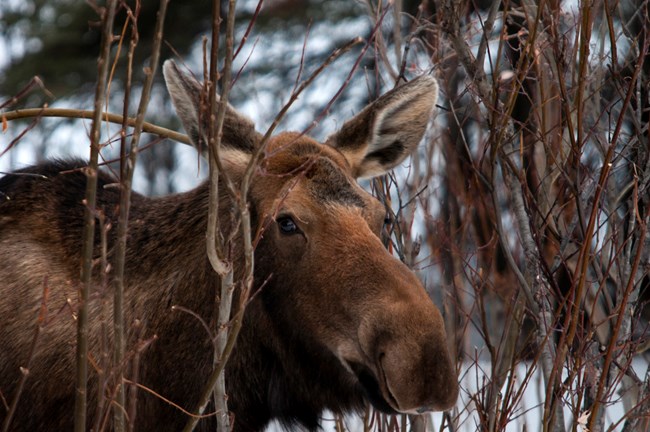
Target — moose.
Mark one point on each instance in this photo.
(335, 321)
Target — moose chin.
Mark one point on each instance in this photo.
(335, 321)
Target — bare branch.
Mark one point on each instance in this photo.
(108, 16)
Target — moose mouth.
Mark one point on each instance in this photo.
(372, 389)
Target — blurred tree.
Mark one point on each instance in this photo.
(59, 39)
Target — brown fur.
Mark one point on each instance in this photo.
(338, 320)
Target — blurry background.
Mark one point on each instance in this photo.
(524, 210)
(59, 42)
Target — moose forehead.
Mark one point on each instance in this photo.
(326, 171)
(330, 185)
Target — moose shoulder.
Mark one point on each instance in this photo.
(338, 320)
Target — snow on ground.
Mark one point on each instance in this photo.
(526, 416)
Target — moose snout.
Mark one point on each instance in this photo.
(399, 352)
(410, 360)
(418, 376)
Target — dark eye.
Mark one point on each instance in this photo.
(388, 219)
(287, 225)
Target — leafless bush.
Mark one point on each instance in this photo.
(536, 212)
(525, 210)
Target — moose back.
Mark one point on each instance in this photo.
(335, 320)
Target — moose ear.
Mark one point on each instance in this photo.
(239, 135)
(387, 130)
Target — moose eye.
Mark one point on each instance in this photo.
(287, 225)
(388, 219)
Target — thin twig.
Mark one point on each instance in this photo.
(118, 278)
(123, 222)
(84, 114)
(216, 250)
(108, 16)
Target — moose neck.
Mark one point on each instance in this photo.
(295, 379)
